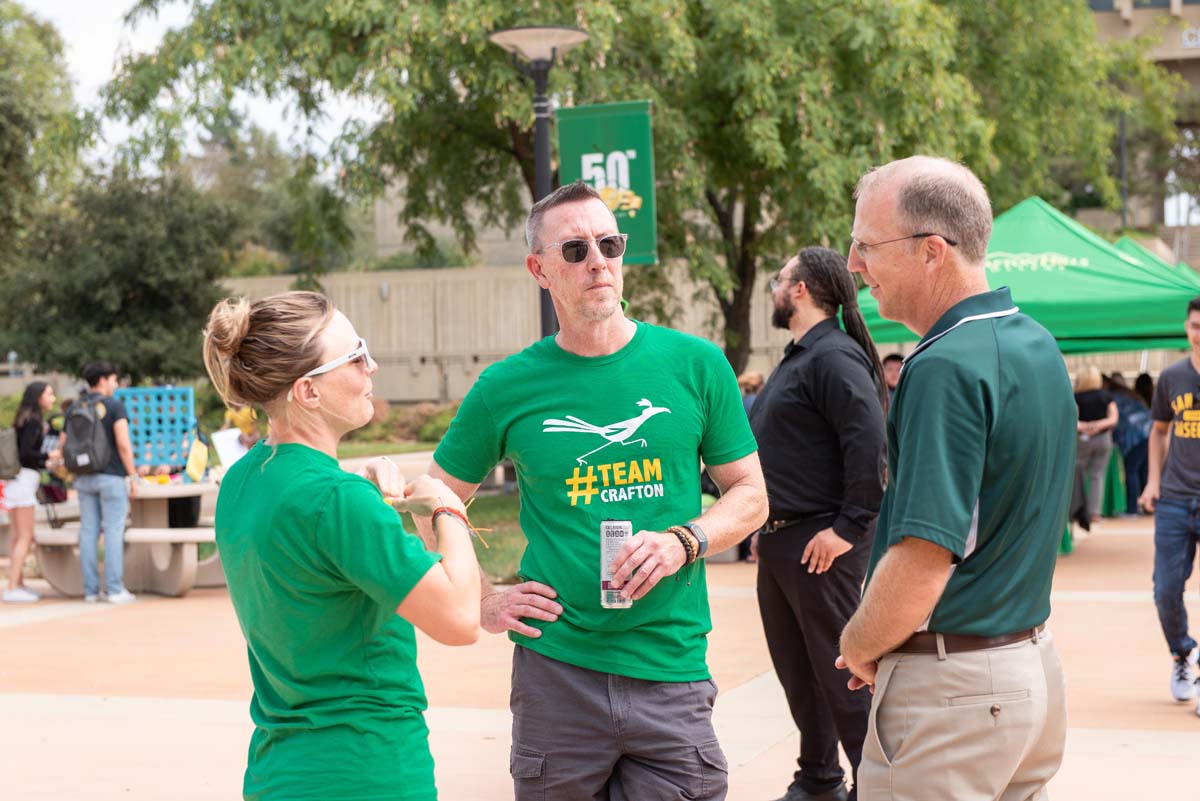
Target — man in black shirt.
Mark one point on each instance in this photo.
(819, 422)
(104, 494)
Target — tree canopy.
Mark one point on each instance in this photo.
(128, 270)
(286, 217)
(765, 112)
(39, 133)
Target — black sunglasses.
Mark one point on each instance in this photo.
(576, 250)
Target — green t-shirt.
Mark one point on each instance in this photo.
(981, 454)
(607, 437)
(317, 564)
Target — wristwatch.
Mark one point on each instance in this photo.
(701, 538)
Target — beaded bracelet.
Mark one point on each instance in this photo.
(681, 533)
(686, 542)
(688, 552)
(694, 550)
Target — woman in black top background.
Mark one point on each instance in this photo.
(1097, 418)
(20, 494)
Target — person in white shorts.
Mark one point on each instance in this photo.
(20, 493)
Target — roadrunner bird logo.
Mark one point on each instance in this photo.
(614, 433)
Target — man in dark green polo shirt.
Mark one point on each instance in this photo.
(969, 701)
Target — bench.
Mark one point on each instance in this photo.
(65, 512)
(158, 560)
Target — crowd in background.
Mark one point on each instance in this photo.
(1112, 417)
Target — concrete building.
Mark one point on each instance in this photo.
(1174, 25)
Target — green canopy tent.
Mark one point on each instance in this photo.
(1131, 247)
(1091, 296)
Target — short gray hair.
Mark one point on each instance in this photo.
(571, 193)
(939, 196)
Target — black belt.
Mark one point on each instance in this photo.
(774, 525)
(925, 642)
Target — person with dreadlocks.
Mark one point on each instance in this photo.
(819, 423)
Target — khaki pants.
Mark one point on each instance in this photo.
(974, 726)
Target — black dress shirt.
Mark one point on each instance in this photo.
(820, 430)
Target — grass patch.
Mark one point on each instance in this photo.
(501, 514)
(354, 449)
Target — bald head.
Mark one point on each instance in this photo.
(937, 196)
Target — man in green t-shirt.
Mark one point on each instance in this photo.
(608, 420)
(969, 701)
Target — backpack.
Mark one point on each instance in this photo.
(10, 457)
(87, 449)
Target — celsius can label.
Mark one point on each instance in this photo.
(613, 536)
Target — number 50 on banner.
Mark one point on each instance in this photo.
(610, 146)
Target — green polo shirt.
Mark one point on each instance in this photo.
(981, 454)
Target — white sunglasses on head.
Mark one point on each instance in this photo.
(359, 352)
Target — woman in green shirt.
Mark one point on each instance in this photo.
(326, 583)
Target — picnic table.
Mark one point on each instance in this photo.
(158, 558)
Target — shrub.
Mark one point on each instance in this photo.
(423, 422)
(435, 427)
(8, 408)
(210, 409)
(252, 259)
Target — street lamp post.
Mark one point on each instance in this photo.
(538, 48)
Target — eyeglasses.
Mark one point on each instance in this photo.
(576, 250)
(864, 248)
(359, 355)
(777, 282)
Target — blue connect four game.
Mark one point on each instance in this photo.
(162, 422)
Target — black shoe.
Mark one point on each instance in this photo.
(797, 793)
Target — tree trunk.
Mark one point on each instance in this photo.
(737, 330)
(521, 148)
(741, 249)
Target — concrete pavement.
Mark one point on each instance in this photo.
(149, 701)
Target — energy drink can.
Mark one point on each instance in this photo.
(613, 536)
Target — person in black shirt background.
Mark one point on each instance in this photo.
(1098, 416)
(819, 422)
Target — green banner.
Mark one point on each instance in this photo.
(610, 146)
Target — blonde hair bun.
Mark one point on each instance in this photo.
(228, 325)
(255, 351)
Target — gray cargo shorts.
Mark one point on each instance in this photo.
(580, 735)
